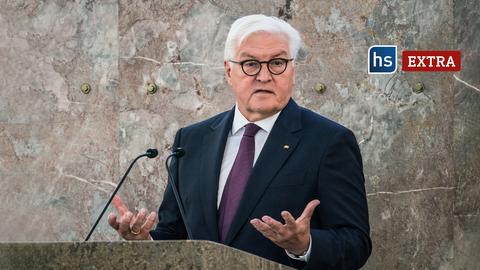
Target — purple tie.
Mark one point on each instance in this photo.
(237, 180)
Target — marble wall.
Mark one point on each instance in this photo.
(62, 151)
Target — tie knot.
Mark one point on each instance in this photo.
(251, 129)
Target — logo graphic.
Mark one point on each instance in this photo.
(382, 59)
(431, 61)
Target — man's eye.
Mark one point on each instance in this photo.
(251, 64)
(276, 62)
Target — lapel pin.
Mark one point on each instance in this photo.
(286, 146)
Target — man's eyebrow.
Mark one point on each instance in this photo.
(279, 54)
(254, 57)
(247, 55)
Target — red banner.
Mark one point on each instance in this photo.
(431, 61)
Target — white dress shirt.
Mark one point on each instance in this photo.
(231, 149)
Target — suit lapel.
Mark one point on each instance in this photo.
(271, 159)
(213, 147)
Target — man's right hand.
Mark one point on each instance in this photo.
(130, 226)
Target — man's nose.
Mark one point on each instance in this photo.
(264, 75)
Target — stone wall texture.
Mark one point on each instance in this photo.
(62, 152)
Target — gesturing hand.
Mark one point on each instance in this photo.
(128, 225)
(294, 235)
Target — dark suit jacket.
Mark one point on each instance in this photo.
(322, 162)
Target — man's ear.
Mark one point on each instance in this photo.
(228, 72)
(294, 73)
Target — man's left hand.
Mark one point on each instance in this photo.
(294, 235)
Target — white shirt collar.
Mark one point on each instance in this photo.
(239, 121)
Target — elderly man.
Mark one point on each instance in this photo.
(268, 177)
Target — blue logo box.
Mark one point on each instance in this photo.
(382, 59)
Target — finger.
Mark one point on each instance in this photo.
(124, 226)
(289, 220)
(119, 205)
(112, 220)
(264, 229)
(151, 218)
(274, 225)
(137, 222)
(308, 212)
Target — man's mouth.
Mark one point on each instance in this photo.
(263, 91)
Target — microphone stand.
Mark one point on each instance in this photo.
(177, 153)
(151, 153)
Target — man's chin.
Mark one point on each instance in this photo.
(265, 111)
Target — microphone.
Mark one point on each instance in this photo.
(150, 153)
(177, 153)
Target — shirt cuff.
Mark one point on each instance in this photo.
(305, 256)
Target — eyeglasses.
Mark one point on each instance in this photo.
(252, 67)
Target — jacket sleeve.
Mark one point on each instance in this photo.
(170, 225)
(341, 241)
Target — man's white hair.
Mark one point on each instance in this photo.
(245, 26)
